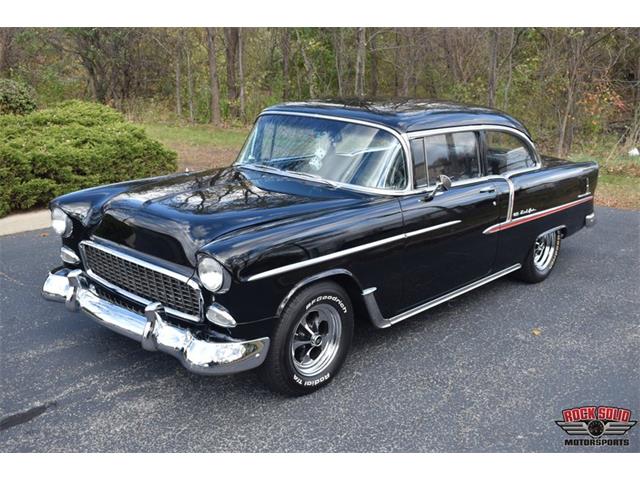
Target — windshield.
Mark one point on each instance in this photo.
(328, 150)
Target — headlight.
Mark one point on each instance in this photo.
(61, 222)
(211, 274)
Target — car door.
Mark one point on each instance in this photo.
(445, 246)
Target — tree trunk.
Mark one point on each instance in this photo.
(177, 60)
(6, 41)
(241, 74)
(214, 85)
(374, 65)
(450, 55)
(361, 53)
(575, 56)
(396, 58)
(190, 86)
(231, 35)
(493, 67)
(338, 41)
(285, 63)
(507, 86)
(566, 122)
(634, 136)
(308, 66)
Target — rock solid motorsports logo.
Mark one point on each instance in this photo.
(596, 423)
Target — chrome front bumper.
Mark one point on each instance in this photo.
(201, 356)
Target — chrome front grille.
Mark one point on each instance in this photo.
(142, 281)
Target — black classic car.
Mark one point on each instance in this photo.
(333, 211)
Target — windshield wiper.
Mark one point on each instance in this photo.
(312, 176)
(261, 166)
(269, 168)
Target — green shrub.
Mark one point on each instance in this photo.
(16, 97)
(72, 146)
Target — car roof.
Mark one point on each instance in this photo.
(404, 115)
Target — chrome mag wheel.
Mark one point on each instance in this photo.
(316, 339)
(544, 250)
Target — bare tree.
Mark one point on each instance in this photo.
(507, 86)
(578, 43)
(190, 83)
(374, 63)
(231, 35)
(177, 61)
(493, 67)
(6, 43)
(285, 46)
(308, 66)
(338, 47)
(213, 76)
(241, 93)
(361, 52)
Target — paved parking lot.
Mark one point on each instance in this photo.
(469, 375)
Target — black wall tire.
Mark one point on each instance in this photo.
(311, 340)
(541, 258)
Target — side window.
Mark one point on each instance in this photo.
(506, 153)
(419, 165)
(452, 154)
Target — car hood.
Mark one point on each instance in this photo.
(173, 217)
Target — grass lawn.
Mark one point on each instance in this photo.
(618, 179)
(201, 146)
(618, 191)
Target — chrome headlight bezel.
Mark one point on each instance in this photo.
(212, 274)
(61, 222)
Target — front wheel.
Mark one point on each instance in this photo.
(541, 258)
(311, 340)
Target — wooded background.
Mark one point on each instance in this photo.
(570, 86)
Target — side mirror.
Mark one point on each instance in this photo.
(444, 182)
(442, 185)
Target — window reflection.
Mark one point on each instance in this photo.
(332, 150)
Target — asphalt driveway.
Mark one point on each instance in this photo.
(470, 375)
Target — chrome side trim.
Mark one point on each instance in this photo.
(380, 322)
(533, 216)
(348, 251)
(430, 229)
(132, 296)
(512, 197)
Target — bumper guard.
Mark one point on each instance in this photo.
(590, 220)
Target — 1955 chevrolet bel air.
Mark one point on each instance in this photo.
(333, 211)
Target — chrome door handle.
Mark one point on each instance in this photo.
(487, 189)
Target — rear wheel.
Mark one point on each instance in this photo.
(541, 258)
(311, 340)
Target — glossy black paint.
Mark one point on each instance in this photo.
(252, 222)
(460, 253)
(559, 182)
